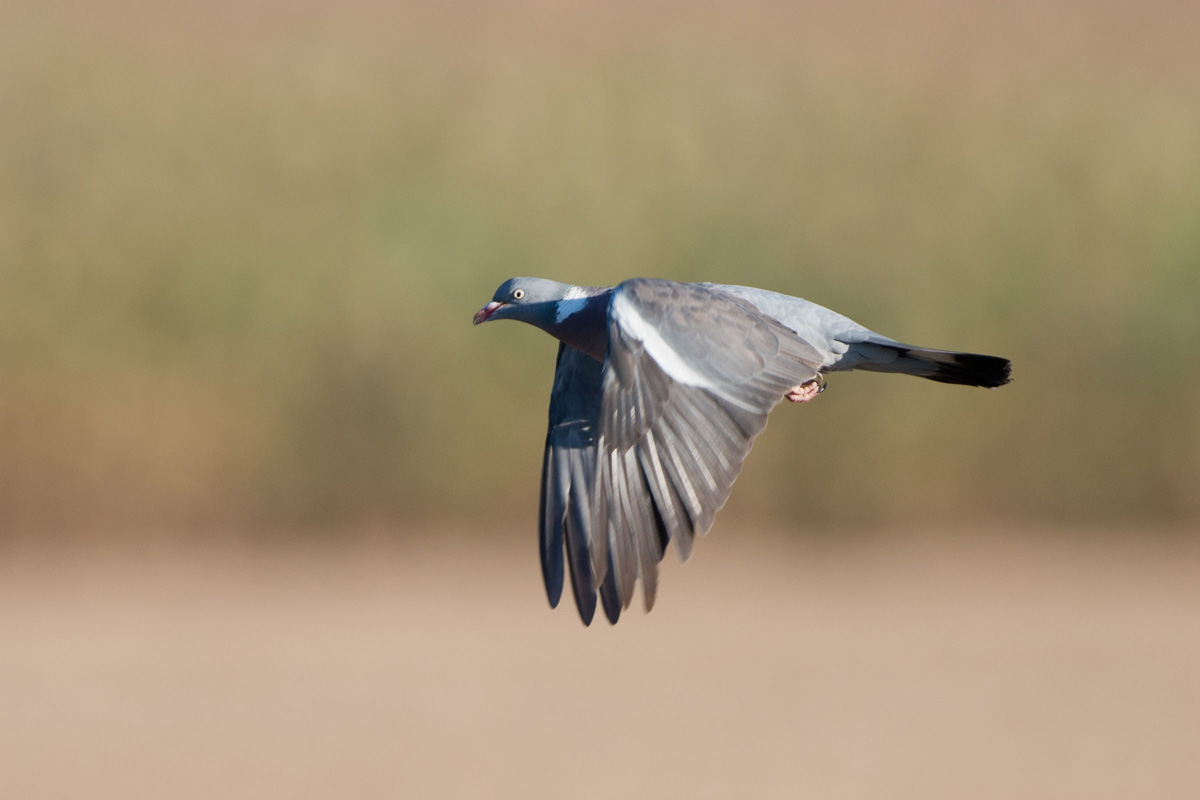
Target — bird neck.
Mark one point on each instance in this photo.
(581, 321)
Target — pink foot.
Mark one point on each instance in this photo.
(806, 391)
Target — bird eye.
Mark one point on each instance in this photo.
(518, 294)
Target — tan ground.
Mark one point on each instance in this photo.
(970, 667)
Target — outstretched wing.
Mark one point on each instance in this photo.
(568, 469)
(690, 376)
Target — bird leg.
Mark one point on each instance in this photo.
(807, 390)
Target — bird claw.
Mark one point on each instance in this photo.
(806, 391)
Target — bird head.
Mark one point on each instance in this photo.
(532, 300)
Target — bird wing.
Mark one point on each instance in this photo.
(568, 469)
(690, 376)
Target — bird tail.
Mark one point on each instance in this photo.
(944, 366)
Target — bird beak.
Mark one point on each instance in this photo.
(486, 312)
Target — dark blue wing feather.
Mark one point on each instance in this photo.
(567, 476)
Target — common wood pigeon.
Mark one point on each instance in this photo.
(659, 390)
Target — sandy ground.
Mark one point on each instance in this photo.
(966, 666)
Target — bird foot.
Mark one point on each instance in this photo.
(806, 391)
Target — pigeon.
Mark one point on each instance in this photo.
(660, 389)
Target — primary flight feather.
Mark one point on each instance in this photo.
(659, 391)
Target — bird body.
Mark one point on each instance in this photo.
(659, 391)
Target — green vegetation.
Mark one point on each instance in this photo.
(240, 248)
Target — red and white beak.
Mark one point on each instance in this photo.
(483, 314)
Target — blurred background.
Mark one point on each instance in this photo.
(240, 244)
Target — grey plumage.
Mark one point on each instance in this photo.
(660, 389)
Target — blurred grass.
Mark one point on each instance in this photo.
(239, 246)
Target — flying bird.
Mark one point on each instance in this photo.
(659, 391)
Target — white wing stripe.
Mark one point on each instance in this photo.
(664, 355)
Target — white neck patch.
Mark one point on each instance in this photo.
(572, 303)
